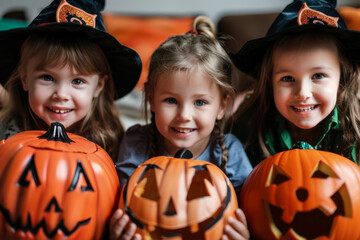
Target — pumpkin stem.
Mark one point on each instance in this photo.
(56, 132)
(183, 153)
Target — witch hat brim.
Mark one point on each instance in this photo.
(124, 62)
(249, 58)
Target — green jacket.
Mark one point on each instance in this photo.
(277, 138)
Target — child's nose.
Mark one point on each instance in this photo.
(184, 113)
(61, 92)
(303, 90)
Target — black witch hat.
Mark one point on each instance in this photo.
(298, 16)
(74, 16)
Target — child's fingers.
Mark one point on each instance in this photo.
(130, 233)
(224, 237)
(117, 224)
(244, 230)
(241, 216)
(115, 217)
(237, 228)
(231, 232)
(137, 237)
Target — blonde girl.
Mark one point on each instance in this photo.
(190, 95)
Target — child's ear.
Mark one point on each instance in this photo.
(223, 108)
(100, 86)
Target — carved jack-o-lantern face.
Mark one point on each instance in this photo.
(59, 188)
(303, 194)
(178, 199)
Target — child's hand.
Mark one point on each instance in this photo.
(118, 228)
(236, 229)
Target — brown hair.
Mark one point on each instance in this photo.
(199, 49)
(347, 101)
(101, 125)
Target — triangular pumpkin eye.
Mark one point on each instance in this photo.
(277, 176)
(147, 183)
(322, 170)
(30, 168)
(197, 187)
(80, 171)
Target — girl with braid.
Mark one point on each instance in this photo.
(190, 95)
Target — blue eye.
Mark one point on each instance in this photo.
(287, 79)
(170, 100)
(318, 76)
(200, 103)
(47, 77)
(77, 81)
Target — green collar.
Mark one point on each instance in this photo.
(331, 122)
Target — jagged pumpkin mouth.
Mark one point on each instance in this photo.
(309, 224)
(16, 225)
(190, 232)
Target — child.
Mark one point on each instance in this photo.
(64, 67)
(190, 96)
(307, 84)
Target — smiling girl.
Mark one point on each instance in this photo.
(66, 72)
(307, 84)
(190, 96)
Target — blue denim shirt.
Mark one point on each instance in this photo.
(135, 149)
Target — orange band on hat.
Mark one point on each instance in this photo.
(69, 13)
(307, 15)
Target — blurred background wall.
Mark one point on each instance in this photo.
(211, 8)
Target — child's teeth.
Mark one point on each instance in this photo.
(304, 109)
(60, 111)
(183, 131)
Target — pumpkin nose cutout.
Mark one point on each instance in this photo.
(170, 209)
(56, 206)
(302, 194)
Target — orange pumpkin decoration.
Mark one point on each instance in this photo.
(303, 194)
(55, 186)
(173, 198)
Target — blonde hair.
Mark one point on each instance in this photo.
(198, 49)
(101, 125)
(347, 100)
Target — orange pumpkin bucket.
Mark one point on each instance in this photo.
(173, 198)
(55, 185)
